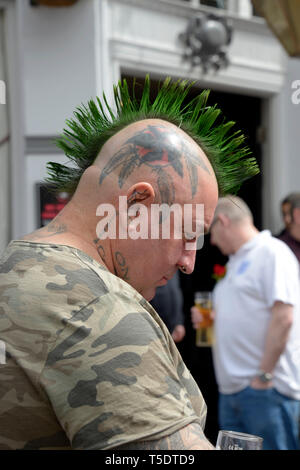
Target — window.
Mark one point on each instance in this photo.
(210, 3)
(242, 8)
(215, 3)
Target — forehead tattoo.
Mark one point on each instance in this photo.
(159, 148)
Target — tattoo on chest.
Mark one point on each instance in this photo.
(160, 149)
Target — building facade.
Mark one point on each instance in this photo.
(54, 59)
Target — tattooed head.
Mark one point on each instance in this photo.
(96, 123)
(158, 152)
(149, 163)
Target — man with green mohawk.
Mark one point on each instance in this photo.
(89, 363)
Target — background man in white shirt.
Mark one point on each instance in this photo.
(257, 328)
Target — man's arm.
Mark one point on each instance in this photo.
(190, 437)
(276, 339)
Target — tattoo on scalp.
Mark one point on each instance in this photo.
(159, 148)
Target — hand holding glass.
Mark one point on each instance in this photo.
(204, 332)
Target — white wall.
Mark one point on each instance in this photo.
(292, 143)
(282, 149)
(60, 61)
(59, 64)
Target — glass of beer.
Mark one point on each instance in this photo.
(204, 332)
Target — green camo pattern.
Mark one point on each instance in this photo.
(89, 363)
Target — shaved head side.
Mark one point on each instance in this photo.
(234, 208)
(157, 151)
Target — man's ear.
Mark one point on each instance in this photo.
(225, 221)
(140, 193)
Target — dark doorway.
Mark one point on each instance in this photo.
(246, 112)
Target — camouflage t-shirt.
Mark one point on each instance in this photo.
(89, 363)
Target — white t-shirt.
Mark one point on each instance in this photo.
(263, 271)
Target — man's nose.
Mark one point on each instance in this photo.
(186, 262)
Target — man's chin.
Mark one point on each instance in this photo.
(149, 294)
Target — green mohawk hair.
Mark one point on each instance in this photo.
(97, 122)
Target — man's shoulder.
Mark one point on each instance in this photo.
(53, 273)
(276, 248)
(61, 268)
(279, 243)
(282, 235)
(271, 242)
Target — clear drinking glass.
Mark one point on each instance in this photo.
(232, 440)
(204, 332)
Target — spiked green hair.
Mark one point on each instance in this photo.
(97, 122)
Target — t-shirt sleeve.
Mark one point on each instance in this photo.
(281, 276)
(112, 378)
